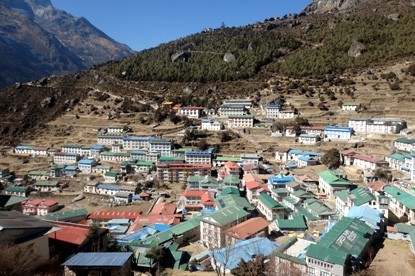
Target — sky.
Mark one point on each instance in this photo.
(142, 24)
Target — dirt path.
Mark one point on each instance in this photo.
(395, 258)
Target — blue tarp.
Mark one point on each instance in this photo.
(367, 214)
(244, 249)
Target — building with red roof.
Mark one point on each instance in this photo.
(30, 207)
(196, 200)
(108, 215)
(254, 227)
(254, 188)
(47, 206)
(377, 186)
(178, 173)
(164, 208)
(66, 239)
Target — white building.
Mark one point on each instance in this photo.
(101, 169)
(114, 156)
(273, 110)
(162, 146)
(72, 149)
(368, 162)
(194, 112)
(286, 114)
(377, 125)
(337, 133)
(136, 143)
(232, 110)
(65, 158)
(308, 139)
(404, 144)
(86, 165)
(210, 124)
(243, 102)
(214, 225)
(198, 156)
(110, 138)
(116, 129)
(240, 121)
(24, 149)
(350, 106)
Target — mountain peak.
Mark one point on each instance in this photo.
(49, 42)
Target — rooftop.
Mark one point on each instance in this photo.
(248, 228)
(111, 259)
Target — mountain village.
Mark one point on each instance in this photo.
(205, 209)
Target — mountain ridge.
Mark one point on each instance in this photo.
(38, 40)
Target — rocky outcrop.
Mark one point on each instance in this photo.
(321, 6)
(356, 49)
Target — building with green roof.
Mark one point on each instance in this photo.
(214, 225)
(331, 181)
(318, 208)
(295, 223)
(358, 197)
(404, 144)
(46, 185)
(270, 208)
(401, 203)
(17, 191)
(349, 237)
(230, 190)
(396, 161)
(228, 200)
(69, 216)
(231, 180)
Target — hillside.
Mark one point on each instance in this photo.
(302, 59)
(37, 40)
(307, 44)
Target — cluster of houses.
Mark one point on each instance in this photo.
(234, 206)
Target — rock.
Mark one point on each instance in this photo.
(356, 49)
(394, 16)
(308, 27)
(228, 57)
(43, 81)
(187, 90)
(252, 46)
(180, 56)
(18, 85)
(412, 3)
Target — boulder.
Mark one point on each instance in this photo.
(229, 57)
(179, 56)
(356, 49)
(394, 16)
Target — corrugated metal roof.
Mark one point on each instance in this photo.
(113, 259)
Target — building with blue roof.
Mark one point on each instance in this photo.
(337, 133)
(245, 250)
(305, 161)
(372, 217)
(71, 170)
(136, 143)
(143, 233)
(103, 263)
(210, 124)
(85, 165)
(199, 156)
(279, 181)
(273, 110)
